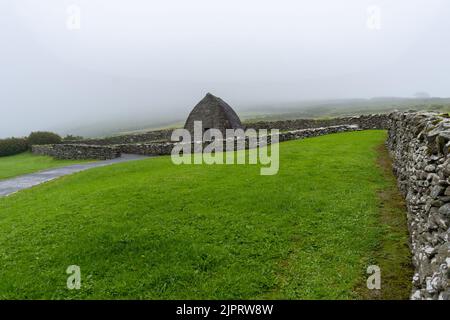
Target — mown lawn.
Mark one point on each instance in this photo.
(152, 230)
(27, 162)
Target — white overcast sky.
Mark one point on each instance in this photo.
(145, 58)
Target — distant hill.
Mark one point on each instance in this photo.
(344, 107)
(274, 111)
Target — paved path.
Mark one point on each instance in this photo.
(9, 186)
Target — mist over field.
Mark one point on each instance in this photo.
(100, 67)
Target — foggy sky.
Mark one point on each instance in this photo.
(156, 59)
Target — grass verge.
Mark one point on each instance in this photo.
(27, 162)
(392, 253)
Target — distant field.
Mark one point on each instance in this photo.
(27, 162)
(343, 107)
(152, 230)
(312, 109)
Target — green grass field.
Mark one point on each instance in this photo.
(152, 230)
(27, 162)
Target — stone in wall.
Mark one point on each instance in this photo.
(419, 143)
(43, 150)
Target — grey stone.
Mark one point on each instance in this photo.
(436, 191)
(445, 210)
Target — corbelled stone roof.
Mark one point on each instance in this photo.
(214, 113)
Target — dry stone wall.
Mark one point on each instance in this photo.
(82, 151)
(165, 148)
(157, 135)
(419, 143)
(371, 121)
(315, 132)
(147, 149)
(77, 151)
(374, 121)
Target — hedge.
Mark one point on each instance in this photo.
(43, 137)
(12, 146)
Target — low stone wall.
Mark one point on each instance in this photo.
(165, 148)
(373, 121)
(43, 150)
(314, 132)
(420, 147)
(147, 149)
(157, 135)
(77, 151)
(103, 152)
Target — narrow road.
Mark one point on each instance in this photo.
(12, 185)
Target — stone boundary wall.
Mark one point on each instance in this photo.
(372, 121)
(77, 151)
(81, 151)
(165, 148)
(315, 132)
(147, 149)
(157, 135)
(419, 143)
(43, 150)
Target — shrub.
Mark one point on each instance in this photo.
(70, 137)
(12, 146)
(43, 137)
